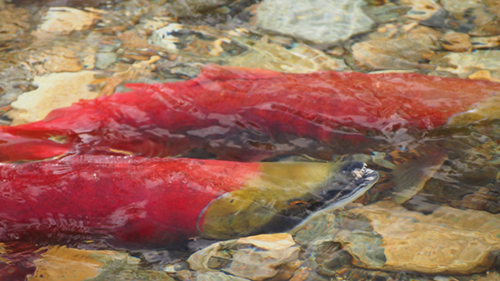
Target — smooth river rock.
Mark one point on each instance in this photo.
(317, 21)
(256, 257)
(398, 53)
(386, 236)
(464, 64)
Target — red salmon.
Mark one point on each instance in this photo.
(144, 201)
(229, 108)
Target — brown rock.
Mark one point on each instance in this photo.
(449, 241)
(299, 59)
(399, 53)
(66, 20)
(458, 7)
(485, 42)
(489, 29)
(456, 42)
(464, 64)
(490, 276)
(483, 75)
(421, 9)
(256, 257)
(54, 91)
(60, 263)
(479, 200)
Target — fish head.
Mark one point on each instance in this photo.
(284, 195)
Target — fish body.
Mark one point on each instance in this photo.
(229, 108)
(142, 201)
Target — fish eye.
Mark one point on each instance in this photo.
(297, 203)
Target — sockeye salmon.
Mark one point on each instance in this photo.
(252, 110)
(132, 200)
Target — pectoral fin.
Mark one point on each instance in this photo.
(410, 177)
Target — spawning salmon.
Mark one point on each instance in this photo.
(257, 111)
(130, 200)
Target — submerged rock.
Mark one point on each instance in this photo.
(456, 42)
(66, 20)
(62, 263)
(464, 64)
(459, 7)
(449, 241)
(54, 91)
(485, 42)
(241, 48)
(488, 29)
(216, 276)
(299, 59)
(421, 9)
(184, 8)
(399, 53)
(255, 257)
(318, 21)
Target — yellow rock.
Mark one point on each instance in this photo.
(61, 263)
(65, 20)
(299, 59)
(278, 241)
(54, 91)
(256, 257)
(398, 53)
(449, 241)
(456, 42)
(421, 9)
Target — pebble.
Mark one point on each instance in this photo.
(60, 263)
(456, 42)
(189, 8)
(104, 60)
(485, 42)
(459, 7)
(319, 21)
(464, 64)
(298, 59)
(255, 257)
(421, 9)
(489, 29)
(66, 20)
(400, 53)
(385, 13)
(449, 240)
(54, 91)
(385, 236)
(216, 276)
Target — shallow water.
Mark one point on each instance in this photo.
(433, 215)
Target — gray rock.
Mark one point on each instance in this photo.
(192, 7)
(386, 13)
(458, 7)
(318, 21)
(104, 60)
(466, 63)
(399, 53)
(217, 276)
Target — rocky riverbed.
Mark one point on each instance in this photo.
(54, 53)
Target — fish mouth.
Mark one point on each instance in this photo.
(358, 178)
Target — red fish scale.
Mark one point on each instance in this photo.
(137, 200)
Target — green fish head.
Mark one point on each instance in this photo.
(284, 195)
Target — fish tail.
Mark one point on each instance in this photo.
(15, 147)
